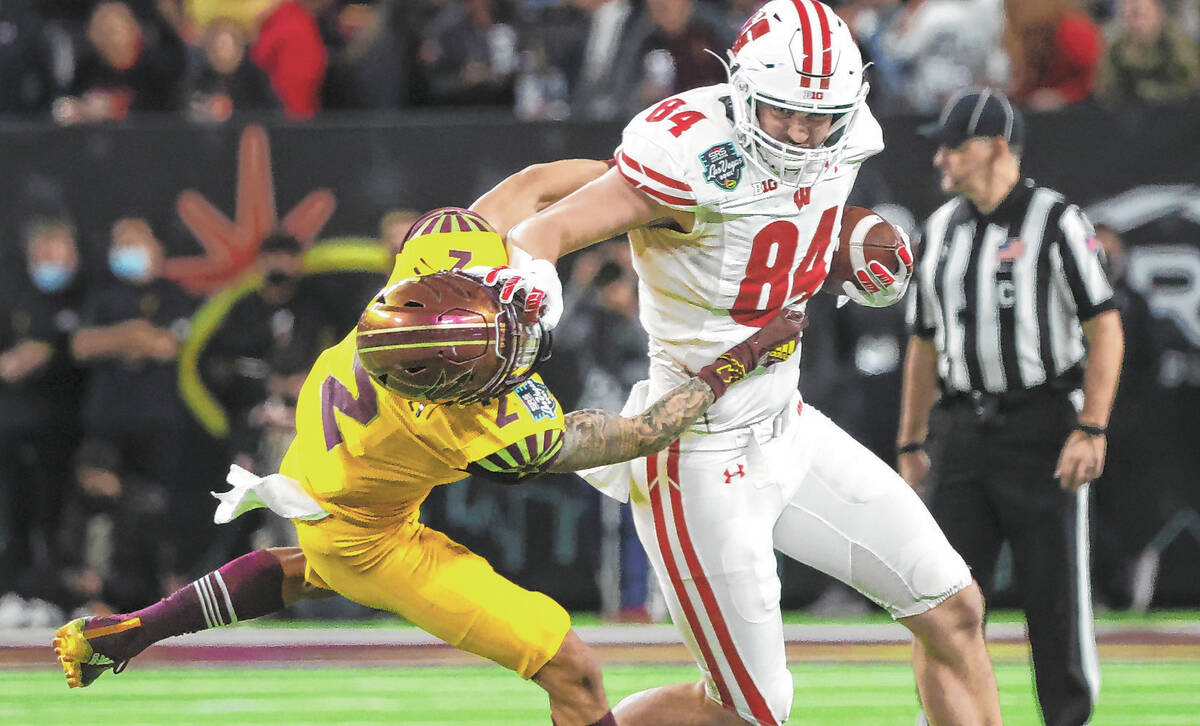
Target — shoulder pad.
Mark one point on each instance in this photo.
(676, 148)
(866, 137)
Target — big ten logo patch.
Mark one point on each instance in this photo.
(765, 186)
(723, 166)
(537, 400)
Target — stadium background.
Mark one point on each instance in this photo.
(1143, 184)
(1133, 167)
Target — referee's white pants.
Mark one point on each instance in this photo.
(712, 509)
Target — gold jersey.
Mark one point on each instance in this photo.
(369, 456)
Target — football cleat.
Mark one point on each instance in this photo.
(81, 661)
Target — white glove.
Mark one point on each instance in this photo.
(537, 279)
(879, 287)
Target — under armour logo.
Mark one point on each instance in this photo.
(741, 472)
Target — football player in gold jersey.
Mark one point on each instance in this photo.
(438, 381)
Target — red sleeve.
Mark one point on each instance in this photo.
(290, 50)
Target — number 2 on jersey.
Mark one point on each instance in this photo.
(766, 286)
(335, 395)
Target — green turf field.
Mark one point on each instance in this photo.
(1134, 694)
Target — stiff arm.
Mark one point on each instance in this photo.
(534, 188)
(601, 209)
(595, 437)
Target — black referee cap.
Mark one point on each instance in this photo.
(978, 112)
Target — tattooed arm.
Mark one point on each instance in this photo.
(595, 437)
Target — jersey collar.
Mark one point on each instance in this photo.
(1010, 206)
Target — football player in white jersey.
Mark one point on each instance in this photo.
(734, 195)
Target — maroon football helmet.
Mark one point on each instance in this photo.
(446, 338)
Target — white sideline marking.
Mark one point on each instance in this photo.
(593, 634)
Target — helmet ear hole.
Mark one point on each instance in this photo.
(413, 304)
(415, 369)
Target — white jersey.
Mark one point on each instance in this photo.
(756, 245)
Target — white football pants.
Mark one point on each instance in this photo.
(713, 508)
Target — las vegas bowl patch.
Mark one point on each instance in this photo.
(723, 166)
(537, 400)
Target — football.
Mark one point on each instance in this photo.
(865, 236)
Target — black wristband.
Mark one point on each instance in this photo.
(910, 448)
(1091, 430)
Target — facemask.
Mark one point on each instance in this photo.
(50, 276)
(130, 263)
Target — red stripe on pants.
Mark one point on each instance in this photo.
(664, 546)
(758, 705)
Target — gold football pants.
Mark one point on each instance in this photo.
(438, 585)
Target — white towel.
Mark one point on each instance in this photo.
(282, 495)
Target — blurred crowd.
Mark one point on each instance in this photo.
(103, 60)
(100, 510)
(93, 426)
(99, 503)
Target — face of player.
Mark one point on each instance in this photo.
(966, 168)
(806, 130)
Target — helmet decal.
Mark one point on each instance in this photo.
(448, 238)
(446, 220)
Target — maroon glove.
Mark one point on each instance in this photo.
(775, 342)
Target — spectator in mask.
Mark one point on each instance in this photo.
(39, 396)
(132, 329)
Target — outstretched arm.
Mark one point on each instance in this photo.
(600, 210)
(533, 189)
(595, 437)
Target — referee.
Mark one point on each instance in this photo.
(1014, 336)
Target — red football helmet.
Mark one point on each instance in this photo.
(446, 338)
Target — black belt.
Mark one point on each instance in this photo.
(989, 407)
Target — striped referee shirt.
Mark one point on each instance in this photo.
(1002, 295)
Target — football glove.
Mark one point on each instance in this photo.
(537, 280)
(774, 343)
(879, 287)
